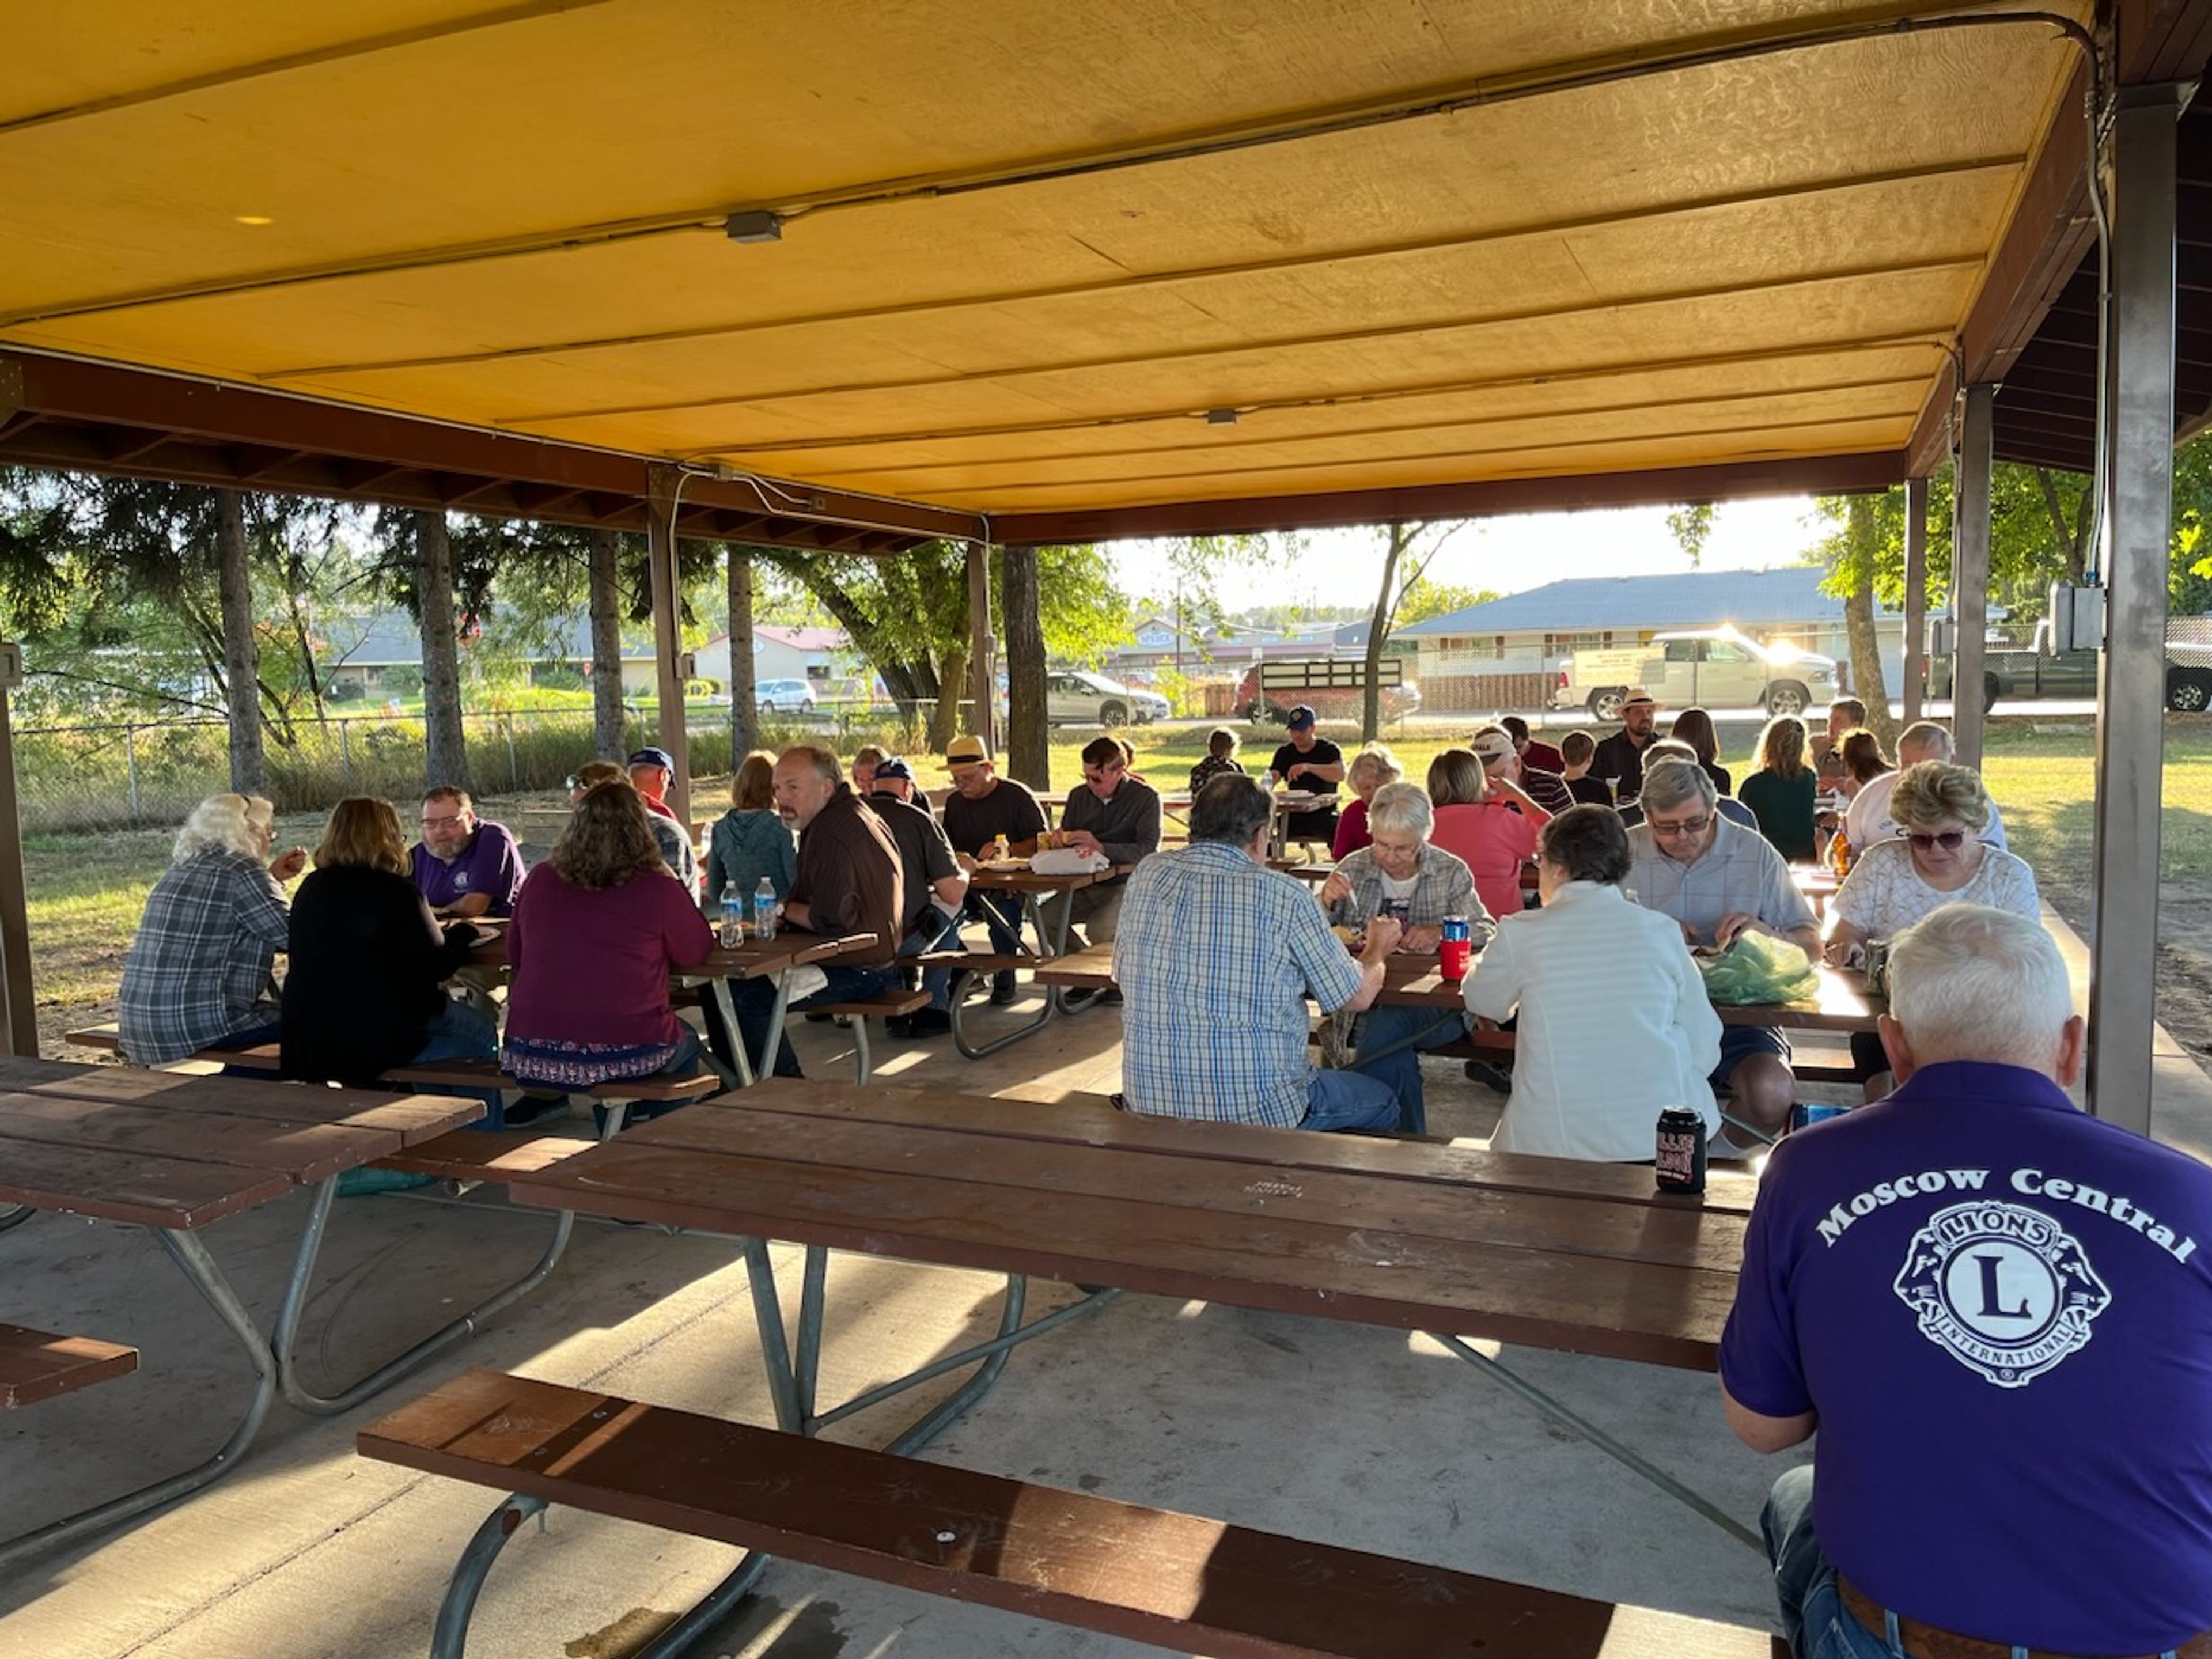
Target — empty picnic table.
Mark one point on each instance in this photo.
(173, 1153)
(1452, 1240)
(791, 949)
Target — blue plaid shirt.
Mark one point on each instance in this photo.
(199, 967)
(1216, 956)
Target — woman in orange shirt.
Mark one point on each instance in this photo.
(1489, 823)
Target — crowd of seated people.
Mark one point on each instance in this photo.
(1565, 887)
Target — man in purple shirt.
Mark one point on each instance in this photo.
(1997, 1312)
(464, 865)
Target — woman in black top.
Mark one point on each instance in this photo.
(1695, 727)
(365, 989)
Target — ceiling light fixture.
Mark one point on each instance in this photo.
(254, 218)
(1221, 417)
(758, 225)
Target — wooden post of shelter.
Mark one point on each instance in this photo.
(1915, 598)
(982, 668)
(1029, 744)
(664, 491)
(1970, 575)
(18, 994)
(2131, 672)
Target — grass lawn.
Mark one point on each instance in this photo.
(85, 892)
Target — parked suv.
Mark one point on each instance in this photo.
(1075, 696)
(784, 697)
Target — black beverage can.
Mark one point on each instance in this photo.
(1680, 1163)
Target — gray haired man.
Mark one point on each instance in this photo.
(1721, 881)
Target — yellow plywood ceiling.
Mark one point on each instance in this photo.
(1021, 259)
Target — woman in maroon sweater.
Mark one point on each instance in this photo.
(596, 929)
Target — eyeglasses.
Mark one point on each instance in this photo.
(1950, 840)
(441, 824)
(573, 782)
(1687, 827)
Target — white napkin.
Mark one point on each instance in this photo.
(1066, 861)
(805, 981)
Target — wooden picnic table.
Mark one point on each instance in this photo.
(1016, 877)
(172, 1153)
(1450, 1239)
(792, 948)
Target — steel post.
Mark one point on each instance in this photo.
(1970, 576)
(1915, 597)
(2131, 689)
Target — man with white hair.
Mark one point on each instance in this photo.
(1720, 881)
(1869, 820)
(1995, 1311)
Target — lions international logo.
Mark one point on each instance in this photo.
(2007, 1290)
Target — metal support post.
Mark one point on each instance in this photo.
(1916, 596)
(18, 1001)
(1970, 576)
(131, 765)
(345, 755)
(2131, 689)
(664, 488)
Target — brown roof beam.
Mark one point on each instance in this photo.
(1812, 474)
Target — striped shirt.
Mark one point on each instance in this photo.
(198, 968)
(1216, 956)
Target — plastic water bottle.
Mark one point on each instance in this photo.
(733, 917)
(764, 909)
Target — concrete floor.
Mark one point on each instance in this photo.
(1358, 1437)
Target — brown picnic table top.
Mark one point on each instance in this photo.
(754, 959)
(164, 1150)
(1008, 878)
(1527, 1250)
(1411, 980)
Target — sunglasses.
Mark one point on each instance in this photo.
(1950, 840)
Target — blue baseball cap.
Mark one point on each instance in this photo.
(1301, 717)
(659, 757)
(893, 768)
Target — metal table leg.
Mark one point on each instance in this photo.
(294, 1304)
(1033, 914)
(192, 1258)
(1604, 1441)
(726, 1006)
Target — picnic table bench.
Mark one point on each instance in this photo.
(36, 1365)
(173, 1153)
(1441, 1238)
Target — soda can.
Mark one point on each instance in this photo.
(1805, 1114)
(1680, 1163)
(1456, 949)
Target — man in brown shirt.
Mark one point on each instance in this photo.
(847, 881)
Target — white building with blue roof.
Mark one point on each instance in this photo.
(1506, 654)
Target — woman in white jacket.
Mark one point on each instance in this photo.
(1615, 1025)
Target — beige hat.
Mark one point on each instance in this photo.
(1494, 746)
(966, 751)
(1638, 694)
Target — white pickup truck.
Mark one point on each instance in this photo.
(1711, 668)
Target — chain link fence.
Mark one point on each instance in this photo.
(152, 773)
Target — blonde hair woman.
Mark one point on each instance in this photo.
(365, 989)
(198, 972)
(1938, 859)
(1780, 792)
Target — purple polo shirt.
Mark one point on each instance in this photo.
(489, 864)
(2001, 1308)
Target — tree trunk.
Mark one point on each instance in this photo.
(241, 653)
(1029, 743)
(445, 746)
(744, 710)
(1378, 631)
(609, 739)
(1867, 684)
(944, 721)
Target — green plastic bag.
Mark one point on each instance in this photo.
(1758, 967)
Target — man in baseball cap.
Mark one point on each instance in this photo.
(1506, 771)
(650, 771)
(1310, 762)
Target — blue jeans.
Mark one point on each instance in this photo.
(1346, 1100)
(755, 1000)
(1406, 1030)
(459, 1032)
(689, 1057)
(935, 931)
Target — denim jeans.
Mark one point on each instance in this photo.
(689, 1057)
(755, 1000)
(459, 1032)
(935, 931)
(1347, 1100)
(1406, 1030)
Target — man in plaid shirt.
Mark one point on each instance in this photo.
(198, 973)
(1216, 955)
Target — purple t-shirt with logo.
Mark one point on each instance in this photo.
(2001, 1308)
(489, 864)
